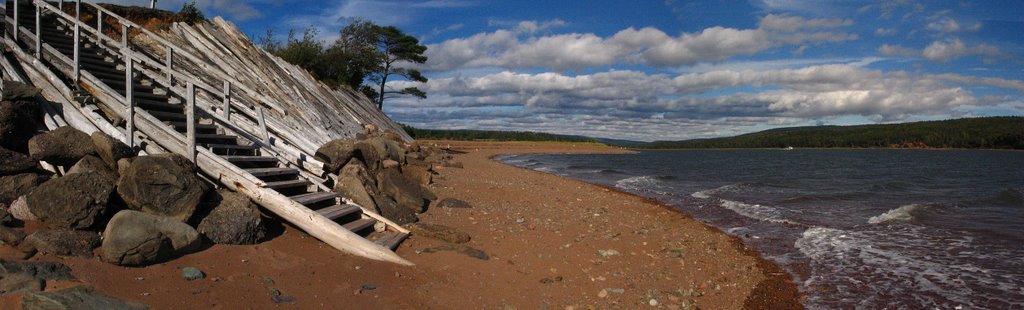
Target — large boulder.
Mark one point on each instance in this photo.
(19, 115)
(109, 149)
(375, 150)
(46, 270)
(163, 185)
(91, 163)
(233, 219)
(133, 238)
(336, 153)
(418, 174)
(14, 186)
(12, 162)
(356, 184)
(19, 282)
(64, 242)
(74, 201)
(78, 297)
(391, 210)
(62, 146)
(404, 192)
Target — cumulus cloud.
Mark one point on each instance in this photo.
(516, 48)
(884, 32)
(942, 51)
(638, 105)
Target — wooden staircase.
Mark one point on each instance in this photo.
(167, 113)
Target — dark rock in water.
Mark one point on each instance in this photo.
(12, 162)
(233, 219)
(391, 210)
(62, 146)
(109, 149)
(91, 163)
(133, 238)
(454, 203)
(336, 153)
(79, 297)
(11, 236)
(355, 183)
(459, 248)
(192, 273)
(404, 192)
(41, 270)
(19, 115)
(162, 185)
(74, 201)
(439, 232)
(18, 91)
(14, 186)
(64, 242)
(19, 282)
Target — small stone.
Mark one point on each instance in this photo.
(617, 290)
(547, 281)
(192, 273)
(602, 294)
(520, 220)
(369, 286)
(608, 252)
(653, 302)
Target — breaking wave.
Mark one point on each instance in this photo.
(901, 214)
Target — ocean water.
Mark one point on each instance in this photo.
(863, 229)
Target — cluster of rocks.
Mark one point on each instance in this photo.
(138, 210)
(379, 171)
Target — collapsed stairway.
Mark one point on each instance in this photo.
(225, 152)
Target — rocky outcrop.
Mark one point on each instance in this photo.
(407, 194)
(93, 164)
(392, 211)
(336, 153)
(63, 146)
(162, 185)
(74, 201)
(109, 149)
(12, 162)
(356, 184)
(19, 115)
(64, 242)
(134, 238)
(78, 297)
(233, 219)
(14, 186)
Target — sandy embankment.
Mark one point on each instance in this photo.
(543, 234)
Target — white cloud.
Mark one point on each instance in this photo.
(885, 32)
(794, 23)
(948, 25)
(942, 51)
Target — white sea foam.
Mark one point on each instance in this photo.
(901, 214)
(709, 193)
(757, 212)
(644, 183)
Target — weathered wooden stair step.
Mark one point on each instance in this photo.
(287, 184)
(339, 211)
(311, 198)
(199, 127)
(359, 224)
(249, 159)
(214, 137)
(271, 172)
(159, 105)
(231, 146)
(390, 239)
(168, 116)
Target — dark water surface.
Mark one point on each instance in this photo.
(857, 228)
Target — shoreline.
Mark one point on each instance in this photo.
(776, 291)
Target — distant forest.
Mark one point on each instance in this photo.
(970, 133)
(443, 134)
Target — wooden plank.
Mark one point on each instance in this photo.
(129, 98)
(190, 122)
(338, 211)
(311, 198)
(286, 184)
(249, 159)
(266, 172)
(359, 224)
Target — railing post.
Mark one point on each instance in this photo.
(263, 125)
(129, 96)
(227, 101)
(190, 121)
(99, 26)
(39, 32)
(170, 66)
(60, 5)
(124, 35)
(78, 33)
(15, 20)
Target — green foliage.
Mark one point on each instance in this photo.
(364, 51)
(986, 132)
(441, 134)
(189, 14)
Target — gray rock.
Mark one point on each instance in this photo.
(43, 270)
(391, 210)
(439, 232)
(192, 273)
(14, 186)
(109, 149)
(62, 146)
(233, 219)
(64, 242)
(5, 218)
(19, 282)
(459, 248)
(19, 210)
(91, 163)
(418, 174)
(74, 201)
(12, 162)
(79, 297)
(335, 154)
(453, 203)
(161, 185)
(608, 252)
(11, 236)
(133, 238)
(404, 192)
(356, 184)
(18, 91)
(19, 117)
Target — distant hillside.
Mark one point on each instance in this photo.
(986, 132)
(462, 134)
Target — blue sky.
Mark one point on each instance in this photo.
(674, 69)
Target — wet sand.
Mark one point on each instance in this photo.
(552, 243)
